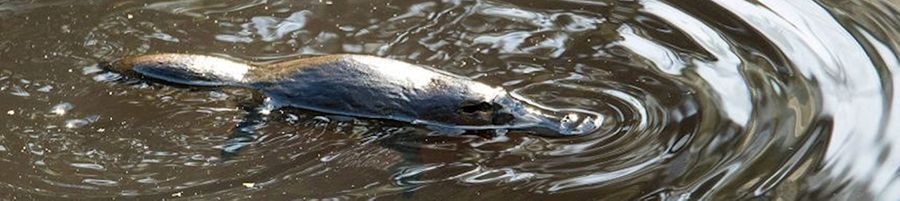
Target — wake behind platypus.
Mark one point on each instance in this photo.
(367, 87)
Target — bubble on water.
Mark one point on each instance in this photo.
(504, 174)
(147, 180)
(78, 123)
(18, 91)
(329, 157)
(165, 37)
(356, 48)
(91, 166)
(62, 108)
(45, 89)
(292, 118)
(106, 77)
(35, 149)
(322, 118)
(233, 38)
(92, 69)
(101, 182)
(217, 96)
(65, 29)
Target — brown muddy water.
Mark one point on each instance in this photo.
(704, 100)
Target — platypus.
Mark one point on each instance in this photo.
(366, 87)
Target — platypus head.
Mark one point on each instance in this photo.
(538, 119)
(368, 86)
(404, 91)
(482, 107)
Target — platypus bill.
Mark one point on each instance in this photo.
(367, 87)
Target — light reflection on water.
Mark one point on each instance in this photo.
(719, 100)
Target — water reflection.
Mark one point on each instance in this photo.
(719, 100)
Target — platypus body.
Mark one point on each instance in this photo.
(367, 87)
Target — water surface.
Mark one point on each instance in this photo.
(714, 100)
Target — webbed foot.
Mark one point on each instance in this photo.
(246, 131)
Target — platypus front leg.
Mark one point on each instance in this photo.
(247, 130)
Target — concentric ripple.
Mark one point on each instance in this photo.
(720, 100)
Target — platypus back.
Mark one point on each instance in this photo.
(185, 69)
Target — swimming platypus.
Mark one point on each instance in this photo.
(367, 87)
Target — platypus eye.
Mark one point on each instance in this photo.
(476, 107)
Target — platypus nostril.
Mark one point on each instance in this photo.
(471, 108)
(502, 118)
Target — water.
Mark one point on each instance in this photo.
(715, 100)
